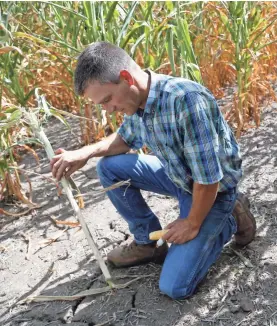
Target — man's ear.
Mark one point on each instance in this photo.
(125, 75)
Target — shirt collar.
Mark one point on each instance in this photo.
(153, 90)
(153, 94)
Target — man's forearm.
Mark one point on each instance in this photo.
(185, 229)
(112, 145)
(203, 197)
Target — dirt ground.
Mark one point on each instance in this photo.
(240, 289)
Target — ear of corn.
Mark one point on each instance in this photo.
(156, 235)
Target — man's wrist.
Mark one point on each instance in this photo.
(194, 222)
(88, 151)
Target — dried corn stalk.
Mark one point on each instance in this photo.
(38, 131)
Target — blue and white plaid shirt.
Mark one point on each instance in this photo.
(183, 126)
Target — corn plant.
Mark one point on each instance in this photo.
(65, 28)
(11, 127)
(10, 183)
(16, 135)
(246, 27)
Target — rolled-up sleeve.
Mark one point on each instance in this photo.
(201, 143)
(131, 131)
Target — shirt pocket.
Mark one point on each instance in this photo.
(176, 166)
(171, 149)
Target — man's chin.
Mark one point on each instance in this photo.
(129, 113)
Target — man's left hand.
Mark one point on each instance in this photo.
(181, 231)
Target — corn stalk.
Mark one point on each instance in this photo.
(246, 26)
(33, 121)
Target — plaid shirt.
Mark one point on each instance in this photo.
(183, 126)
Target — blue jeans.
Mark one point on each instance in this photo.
(186, 264)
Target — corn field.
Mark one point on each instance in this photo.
(218, 44)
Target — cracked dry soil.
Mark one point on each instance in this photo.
(240, 289)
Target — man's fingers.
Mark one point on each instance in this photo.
(60, 173)
(59, 151)
(58, 155)
(168, 235)
(54, 160)
(70, 171)
(55, 167)
(170, 225)
(172, 239)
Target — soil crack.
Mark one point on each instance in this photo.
(134, 300)
(79, 301)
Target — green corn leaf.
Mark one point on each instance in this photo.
(170, 50)
(10, 110)
(60, 118)
(46, 22)
(110, 14)
(28, 95)
(28, 141)
(194, 72)
(226, 23)
(65, 9)
(12, 120)
(150, 5)
(30, 37)
(135, 28)
(127, 20)
(263, 30)
(134, 47)
(169, 6)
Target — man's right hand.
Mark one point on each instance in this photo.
(64, 163)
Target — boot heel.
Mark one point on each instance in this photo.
(159, 259)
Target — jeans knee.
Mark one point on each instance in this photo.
(174, 291)
(104, 170)
(106, 164)
(108, 171)
(100, 167)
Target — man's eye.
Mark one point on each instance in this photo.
(106, 101)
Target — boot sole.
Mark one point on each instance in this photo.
(158, 260)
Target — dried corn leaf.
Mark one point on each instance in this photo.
(68, 223)
(81, 202)
(29, 149)
(85, 293)
(7, 49)
(2, 211)
(49, 241)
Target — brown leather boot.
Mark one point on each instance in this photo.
(245, 221)
(135, 254)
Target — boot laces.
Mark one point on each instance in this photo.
(129, 247)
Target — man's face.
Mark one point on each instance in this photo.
(123, 97)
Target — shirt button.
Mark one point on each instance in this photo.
(150, 128)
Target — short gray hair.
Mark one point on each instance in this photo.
(102, 62)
